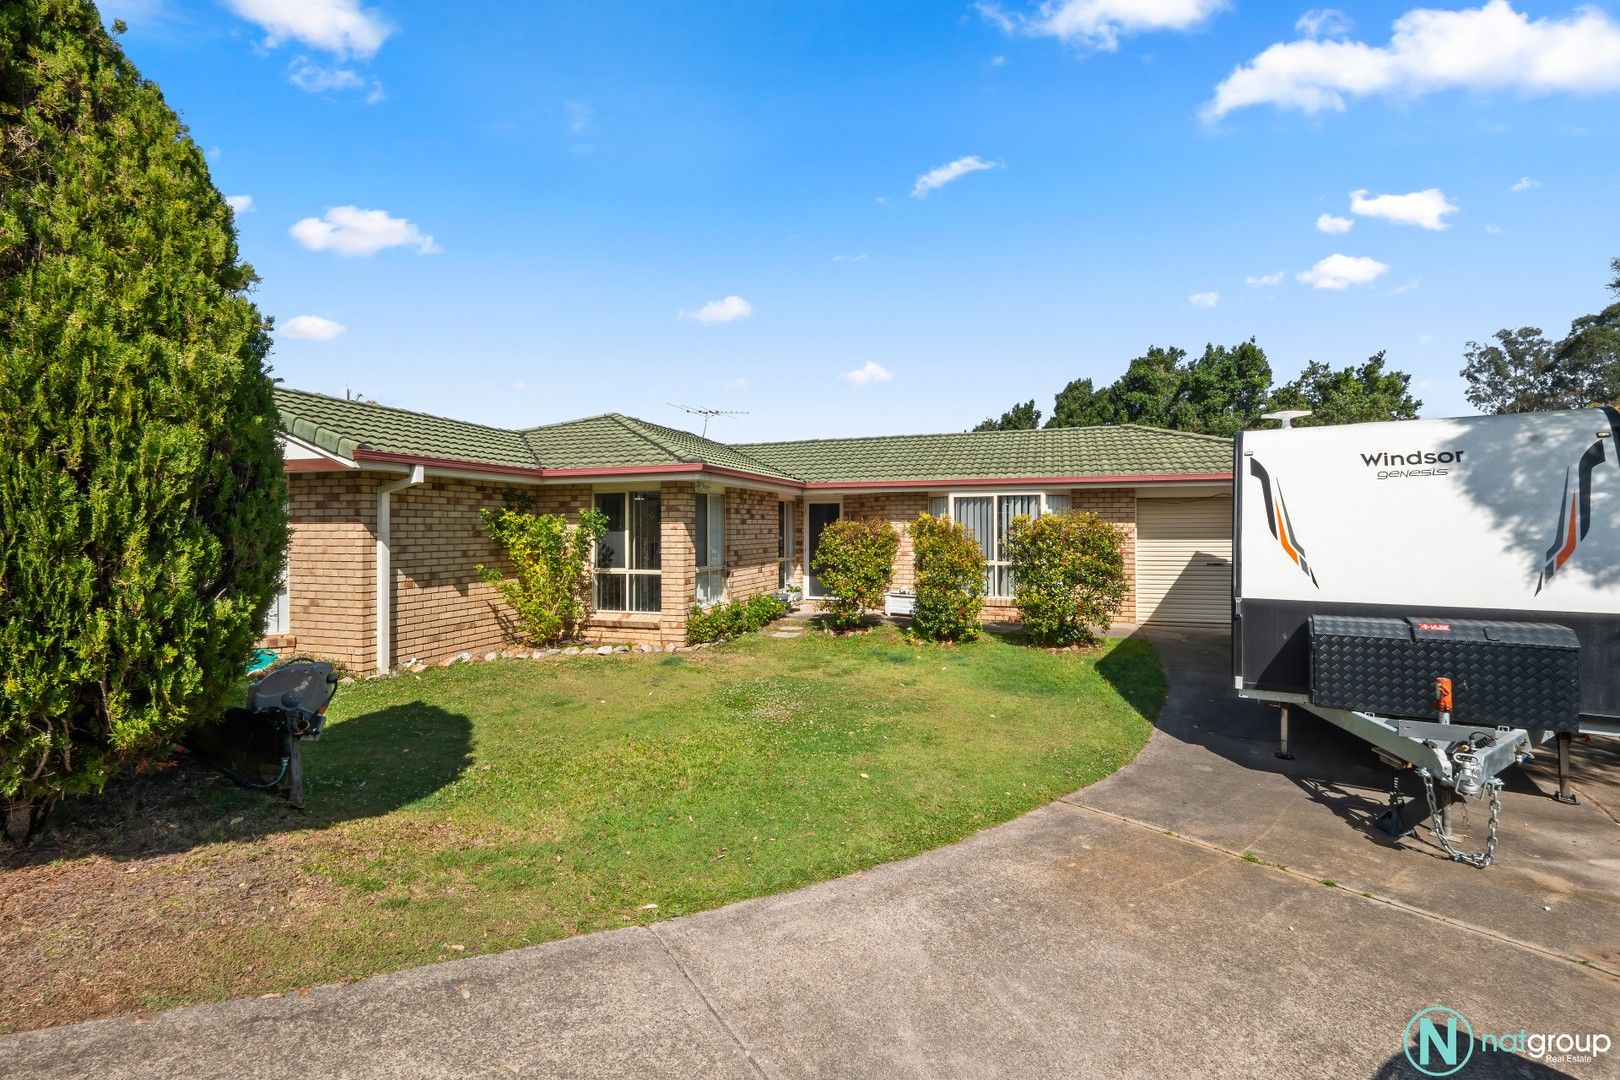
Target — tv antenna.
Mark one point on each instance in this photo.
(707, 414)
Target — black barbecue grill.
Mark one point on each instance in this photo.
(259, 746)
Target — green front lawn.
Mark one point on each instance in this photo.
(487, 806)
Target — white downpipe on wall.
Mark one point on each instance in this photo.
(385, 568)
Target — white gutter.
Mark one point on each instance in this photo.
(385, 568)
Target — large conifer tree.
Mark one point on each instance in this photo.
(142, 519)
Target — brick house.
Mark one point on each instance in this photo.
(385, 531)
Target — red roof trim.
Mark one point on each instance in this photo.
(582, 472)
(693, 467)
(1025, 481)
(446, 463)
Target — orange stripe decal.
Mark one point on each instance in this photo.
(1569, 544)
(1282, 534)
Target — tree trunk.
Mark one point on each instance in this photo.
(21, 817)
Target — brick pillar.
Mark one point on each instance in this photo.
(678, 536)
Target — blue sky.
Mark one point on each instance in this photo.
(568, 196)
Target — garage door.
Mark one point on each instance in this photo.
(1184, 560)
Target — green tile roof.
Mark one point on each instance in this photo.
(614, 441)
(1115, 450)
(342, 427)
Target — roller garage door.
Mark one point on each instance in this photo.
(1184, 560)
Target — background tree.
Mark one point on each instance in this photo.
(1223, 391)
(1080, 405)
(1524, 371)
(1025, 417)
(1350, 395)
(1148, 391)
(142, 503)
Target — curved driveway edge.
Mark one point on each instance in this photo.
(1069, 942)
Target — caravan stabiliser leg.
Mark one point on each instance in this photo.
(1282, 733)
(1565, 795)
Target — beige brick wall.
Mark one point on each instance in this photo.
(332, 567)
(441, 606)
(753, 531)
(898, 508)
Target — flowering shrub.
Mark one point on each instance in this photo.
(1068, 576)
(854, 562)
(950, 580)
(551, 592)
(733, 618)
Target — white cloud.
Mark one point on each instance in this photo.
(242, 204)
(1204, 300)
(934, 179)
(1525, 183)
(349, 230)
(1426, 209)
(1330, 223)
(1343, 271)
(727, 309)
(339, 27)
(311, 328)
(581, 117)
(312, 78)
(998, 61)
(1323, 23)
(869, 372)
(1099, 24)
(1493, 229)
(1492, 47)
(1263, 280)
(1397, 290)
(862, 257)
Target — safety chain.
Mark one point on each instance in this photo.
(1483, 858)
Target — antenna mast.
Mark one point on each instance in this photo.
(707, 414)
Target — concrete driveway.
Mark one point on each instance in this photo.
(1121, 931)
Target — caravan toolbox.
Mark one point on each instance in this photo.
(1502, 673)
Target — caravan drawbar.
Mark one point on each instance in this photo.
(1447, 590)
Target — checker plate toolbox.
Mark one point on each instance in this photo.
(1505, 674)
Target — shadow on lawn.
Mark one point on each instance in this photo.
(1133, 669)
(365, 766)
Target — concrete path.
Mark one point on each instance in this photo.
(1117, 932)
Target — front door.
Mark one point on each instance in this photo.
(821, 515)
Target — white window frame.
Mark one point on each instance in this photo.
(278, 620)
(784, 544)
(992, 559)
(629, 571)
(709, 588)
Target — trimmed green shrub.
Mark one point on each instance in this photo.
(732, 618)
(950, 580)
(1068, 576)
(143, 516)
(854, 562)
(550, 592)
